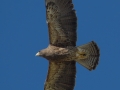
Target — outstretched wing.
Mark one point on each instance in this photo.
(61, 76)
(62, 22)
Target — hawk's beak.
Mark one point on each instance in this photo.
(37, 54)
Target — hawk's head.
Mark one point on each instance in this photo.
(41, 53)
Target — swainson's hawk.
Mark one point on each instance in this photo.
(62, 52)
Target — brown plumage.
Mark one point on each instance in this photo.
(62, 22)
(62, 52)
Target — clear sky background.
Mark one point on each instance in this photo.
(23, 32)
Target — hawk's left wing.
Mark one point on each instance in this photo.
(62, 22)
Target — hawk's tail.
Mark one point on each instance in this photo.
(88, 55)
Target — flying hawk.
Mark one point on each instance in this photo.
(62, 52)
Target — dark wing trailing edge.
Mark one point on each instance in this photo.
(62, 22)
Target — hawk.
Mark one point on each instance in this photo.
(62, 52)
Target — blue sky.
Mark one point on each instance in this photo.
(23, 32)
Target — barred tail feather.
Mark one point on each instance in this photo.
(88, 55)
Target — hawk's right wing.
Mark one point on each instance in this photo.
(61, 76)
